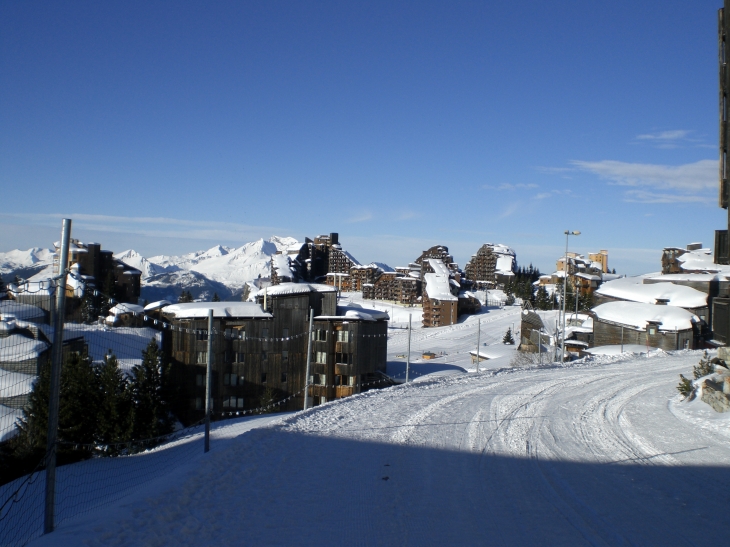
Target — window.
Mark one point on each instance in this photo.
(320, 357)
(199, 380)
(264, 356)
(239, 403)
(263, 377)
(652, 330)
(202, 357)
(320, 335)
(265, 333)
(198, 403)
(283, 378)
(352, 380)
(343, 336)
(240, 357)
(284, 356)
(343, 358)
(201, 335)
(285, 333)
(230, 380)
(340, 380)
(322, 400)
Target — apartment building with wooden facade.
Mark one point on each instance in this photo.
(260, 349)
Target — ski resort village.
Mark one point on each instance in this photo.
(497, 310)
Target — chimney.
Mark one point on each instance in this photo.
(662, 301)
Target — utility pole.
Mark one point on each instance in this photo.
(208, 375)
(479, 343)
(408, 357)
(55, 388)
(309, 360)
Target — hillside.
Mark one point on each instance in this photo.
(597, 452)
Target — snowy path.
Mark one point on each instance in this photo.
(586, 455)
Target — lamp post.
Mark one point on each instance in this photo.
(565, 286)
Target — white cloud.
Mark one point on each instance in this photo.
(677, 134)
(360, 217)
(510, 210)
(642, 196)
(690, 177)
(508, 186)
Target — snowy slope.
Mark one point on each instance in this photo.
(220, 269)
(602, 453)
(24, 263)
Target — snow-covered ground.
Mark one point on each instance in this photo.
(598, 453)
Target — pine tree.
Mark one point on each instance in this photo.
(185, 296)
(542, 299)
(150, 395)
(3, 289)
(216, 298)
(107, 295)
(508, 339)
(79, 400)
(115, 404)
(89, 311)
(510, 300)
(33, 426)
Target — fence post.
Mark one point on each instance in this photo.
(208, 374)
(408, 358)
(309, 360)
(479, 343)
(56, 362)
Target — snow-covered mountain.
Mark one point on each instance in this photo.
(24, 263)
(222, 270)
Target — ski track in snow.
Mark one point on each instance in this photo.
(593, 454)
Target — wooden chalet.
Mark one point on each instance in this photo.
(665, 327)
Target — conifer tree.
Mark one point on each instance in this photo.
(508, 339)
(216, 298)
(542, 299)
(3, 289)
(79, 400)
(89, 311)
(107, 295)
(115, 404)
(150, 395)
(510, 300)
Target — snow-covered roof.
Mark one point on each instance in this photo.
(638, 315)
(15, 347)
(438, 266)
(123, 307)
(199, 310)
(295, 288)
(632, 288)
(437, 287)
(157, 305)
(368, 313)
(505, 263)
(282, 265)
(17, 310)
(701, 277)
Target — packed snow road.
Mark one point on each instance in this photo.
(594, 454)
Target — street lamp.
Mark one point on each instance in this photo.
(565, 286)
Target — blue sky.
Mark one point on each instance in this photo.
(169, 127)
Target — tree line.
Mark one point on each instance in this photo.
(101, 408)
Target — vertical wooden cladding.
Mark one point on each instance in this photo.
(607, 333)
(351, 360)
(482, 267)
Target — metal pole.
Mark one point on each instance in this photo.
(309, 360)
(622, 339)
(408, 358)
(55, 388)
(565, 286)
(208, 374)
(479, 342)
(539, 346)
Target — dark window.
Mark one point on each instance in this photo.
(284, 356)
(285, 333)
(283, 377)
(263, 377)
